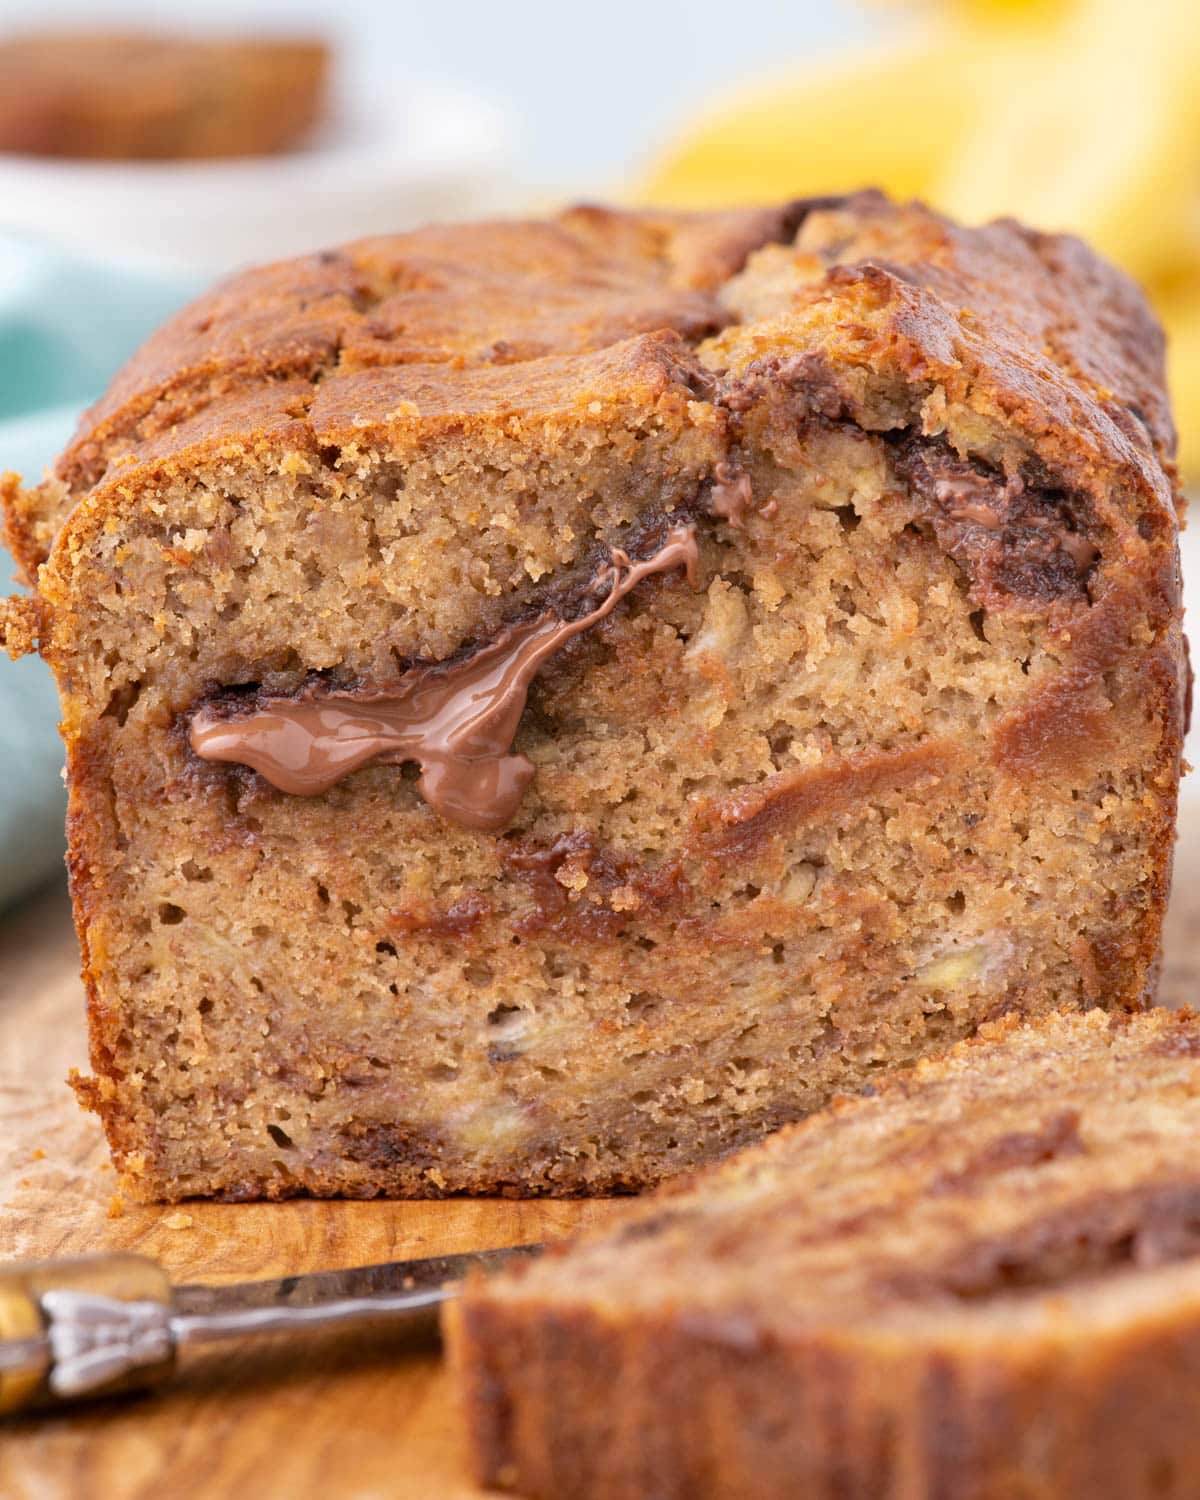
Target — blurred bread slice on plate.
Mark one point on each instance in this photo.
(383, 163)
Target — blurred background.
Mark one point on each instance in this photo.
(142, 152)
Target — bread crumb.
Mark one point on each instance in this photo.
(177, 1221)
(116, 1206)
(38, 1154)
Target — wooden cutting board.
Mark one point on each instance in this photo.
(347, 1420)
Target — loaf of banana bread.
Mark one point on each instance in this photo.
(547, 703)
(982, 1282)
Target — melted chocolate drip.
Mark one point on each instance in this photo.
(457, 721)
(732, 495)
(1015, 535)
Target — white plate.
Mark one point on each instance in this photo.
(425, 152)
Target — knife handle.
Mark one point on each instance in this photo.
(92, 1325)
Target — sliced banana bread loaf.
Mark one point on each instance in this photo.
(547, 703)
(982, 1283)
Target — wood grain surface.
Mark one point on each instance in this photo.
(350, 1418)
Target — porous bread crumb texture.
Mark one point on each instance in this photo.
(906, 760)
(983, 1282)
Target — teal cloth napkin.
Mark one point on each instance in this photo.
(65, 327)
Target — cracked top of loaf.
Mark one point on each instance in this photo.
(506, 324)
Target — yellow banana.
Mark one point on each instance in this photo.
(1092, 125)
(1007, 10)
(880, 119)
(1003, 9)
(1180, 311)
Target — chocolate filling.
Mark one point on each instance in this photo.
(456, 719)
(1013, 535)
(1019, 536)
(1146, 1226)
(732, 496)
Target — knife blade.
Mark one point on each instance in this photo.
(98, 1325)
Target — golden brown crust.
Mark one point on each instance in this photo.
(1027, 327)
(496, 295)
(1055, 1357)
(113, 95)
(1001, 312)
(973, 310)
(30, 520)
(1031, 324)
(21, 623)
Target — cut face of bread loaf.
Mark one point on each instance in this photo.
(983, 1282)
(547, 703)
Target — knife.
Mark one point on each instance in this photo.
(97, 1325)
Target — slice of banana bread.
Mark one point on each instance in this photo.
(983, 1282)
(125, 96)
(547, 703)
